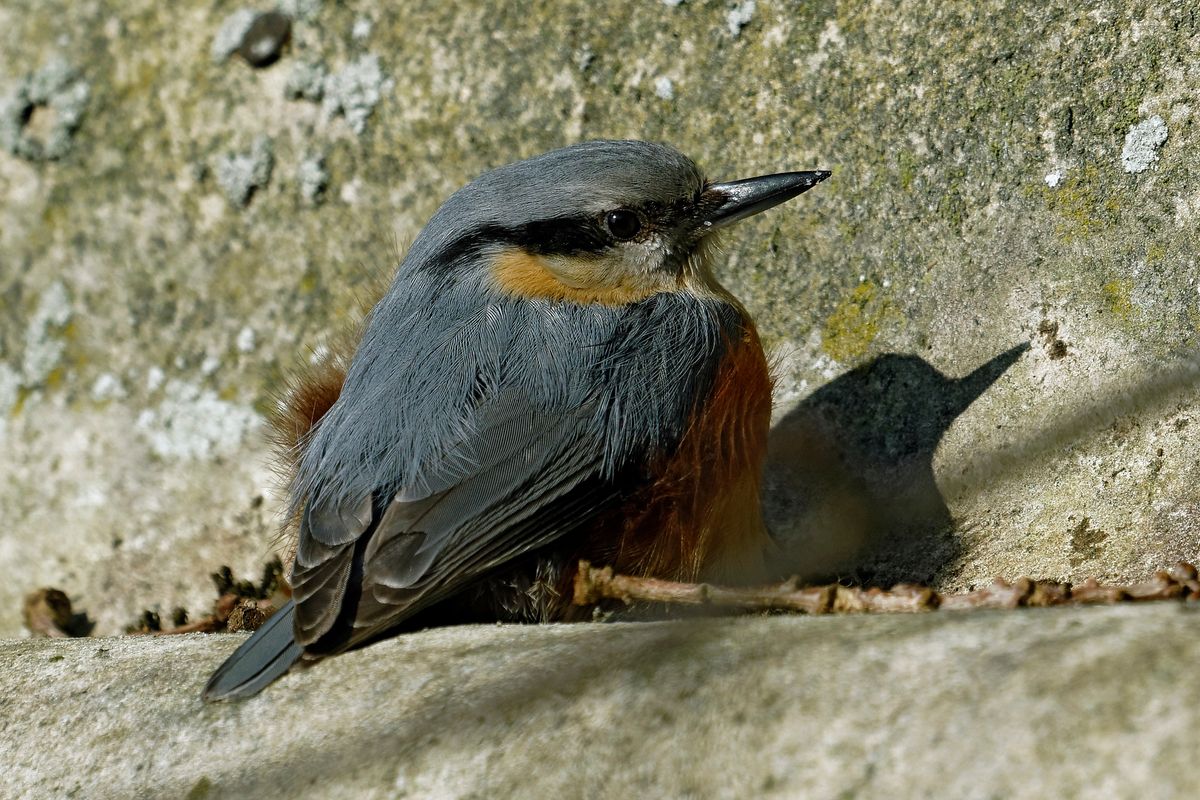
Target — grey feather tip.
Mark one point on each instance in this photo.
(262, 658)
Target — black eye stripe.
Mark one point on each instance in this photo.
(561, 236)
(567, 235)
(575, 235)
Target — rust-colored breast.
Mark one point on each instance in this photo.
(701, 518)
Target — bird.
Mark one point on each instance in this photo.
(553, 374)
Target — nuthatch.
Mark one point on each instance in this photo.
(554, 374)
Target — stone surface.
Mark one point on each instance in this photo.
(1043, 703)
(984, 323)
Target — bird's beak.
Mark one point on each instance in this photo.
(744, 198)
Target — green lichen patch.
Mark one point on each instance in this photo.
(852, 327)
(1118, 298)
(1086, 203)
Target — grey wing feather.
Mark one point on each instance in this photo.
(262, 658)
(516, 463)
(324, 558)
(337, 525)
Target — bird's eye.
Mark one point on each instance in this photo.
(623, 224)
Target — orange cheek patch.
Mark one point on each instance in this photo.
(523, 274)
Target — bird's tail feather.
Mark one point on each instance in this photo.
(265, 656)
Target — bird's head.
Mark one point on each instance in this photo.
(609, 222)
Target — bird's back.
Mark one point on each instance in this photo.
(686, 399)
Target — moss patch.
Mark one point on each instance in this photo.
(854, 324)
(1118, 298)
(1086, 207)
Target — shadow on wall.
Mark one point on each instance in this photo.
(850, 472)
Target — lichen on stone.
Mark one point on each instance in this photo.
(1085, 202)
(229, 36)
(854, 324)
(240, 175)
(10, 386)
(43, 348)
(194, 423)
(313, 178)
(355, 90)
(246, 340)
(361, 29)
(739, 17)
(1118, 297)
(107, 386)
(306, 81)
(56, 89)
(1142, 144)
(300, 9)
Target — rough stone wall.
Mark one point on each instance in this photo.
(178, 229)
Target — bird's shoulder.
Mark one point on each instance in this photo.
(433, 366)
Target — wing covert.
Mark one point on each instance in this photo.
(517, 479)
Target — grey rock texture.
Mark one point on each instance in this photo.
(984, 326)
(1046, 703)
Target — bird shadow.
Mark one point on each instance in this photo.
(850, 492)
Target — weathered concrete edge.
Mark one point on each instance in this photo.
(1095, 701)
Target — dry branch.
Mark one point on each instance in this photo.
(593, 584)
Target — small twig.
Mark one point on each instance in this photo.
(208, 624)
(230, 613)
(593, 584)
